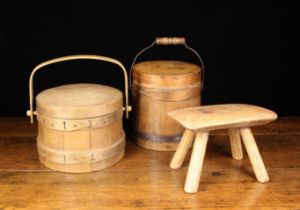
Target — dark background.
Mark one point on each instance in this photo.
(248, 51)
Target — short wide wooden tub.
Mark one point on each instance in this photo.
(77, 134)
(79, 125)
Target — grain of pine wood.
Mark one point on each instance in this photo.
(143, 179)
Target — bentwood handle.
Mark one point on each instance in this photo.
(30, 113)
(168, 41)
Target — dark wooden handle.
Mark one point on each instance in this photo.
(170, 40)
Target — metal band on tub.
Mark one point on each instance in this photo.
(157, 138)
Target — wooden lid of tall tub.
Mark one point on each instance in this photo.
(166, 74)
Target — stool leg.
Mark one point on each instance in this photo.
(235, 143)
(254, 155)
(195, 167)
(182, 149)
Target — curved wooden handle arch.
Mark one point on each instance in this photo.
(30, 113)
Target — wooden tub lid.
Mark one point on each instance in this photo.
(166, 73)
(78, 101)
(166, 67)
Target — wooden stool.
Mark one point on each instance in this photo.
(238, 118)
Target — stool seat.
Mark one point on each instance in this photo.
(215, 117)
(199, 121)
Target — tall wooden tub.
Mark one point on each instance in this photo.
(79, 125)
(158, 87)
